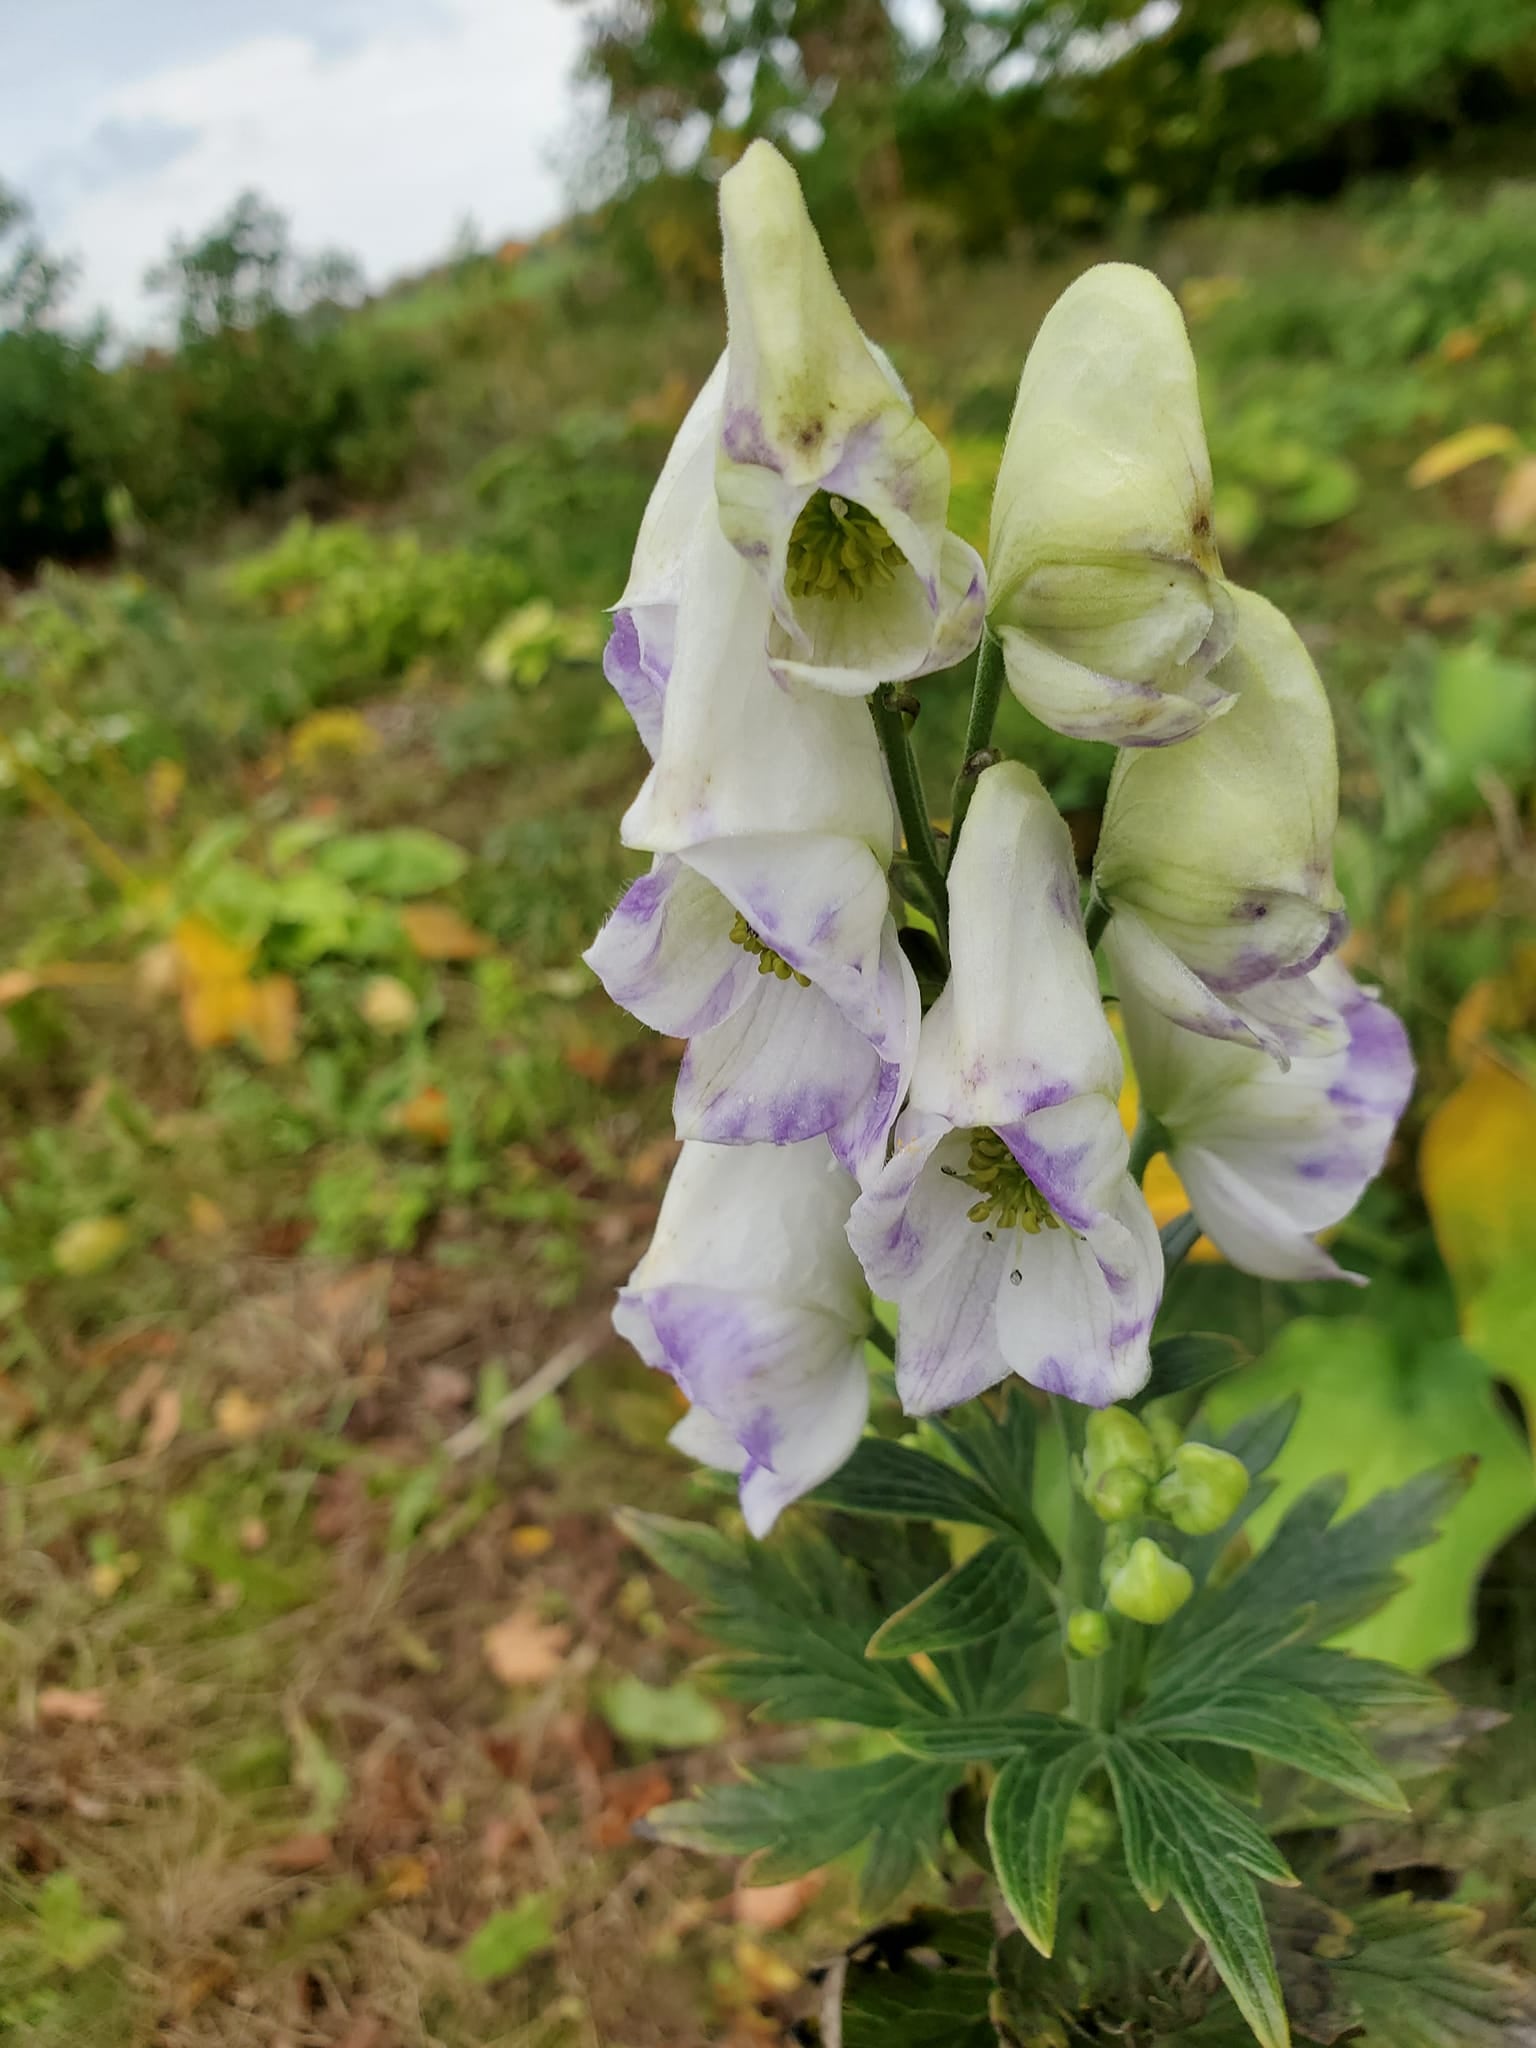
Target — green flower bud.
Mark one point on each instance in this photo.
(1118, 1495)
(1150, 1586)
(1203, 1489)
(1090, 1831)
(1117, 1437)
(1116, 1550)
(1087, 1632)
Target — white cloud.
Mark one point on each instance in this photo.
(382, 147)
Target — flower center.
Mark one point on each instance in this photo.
(838, 549)
(768, 962)
(1009, 1198)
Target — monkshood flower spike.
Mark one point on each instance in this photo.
(1106, 589)
(751, 1299)
(1005, 1227)
(828, 483)
(1268, 1157)
(1216, 856)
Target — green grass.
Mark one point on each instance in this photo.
(262, 1782)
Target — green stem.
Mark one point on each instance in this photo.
(1179, 1239)
(1150, 1138)
(1080, 1569)
(1095, 919)
(911, 804)
(878, 1335)
(986, 695)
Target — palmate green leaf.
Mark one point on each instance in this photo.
(882, 1478)
(794, 1618)
(974, 1601)
(1314, 1577)
(1357, 1686)
(1414, 1984)
(997, 1674)
(980, 1739)
(926, 1983)
(794, 1820)
(1027, 1826)
(701, 1558)
(997, 1443)
(1191, 1360)
(1185, 1839)
(1277, 1721)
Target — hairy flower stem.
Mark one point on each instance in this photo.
(986, 694)
(911, 805)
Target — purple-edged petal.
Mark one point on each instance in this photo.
(637, 663)
(823, 904)
(784, 1067)
(638, 658)
(666, 956)
(771, 1218)
(1075, 1312)
(1222, 847)
(750, 1297)
(1146, 681)
(741, 752)
(1106, 588)
(1075, 1152)
(812, 407)
(1285, 1016)
(1270, 1156)
(919, 1250)
(1020, 1024)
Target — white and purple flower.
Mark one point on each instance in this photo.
(751, 1299)
(1005, 1227)
(1216, 856)
(1270, 1157)
(776, 957)
(1107, 592)
(827, 481)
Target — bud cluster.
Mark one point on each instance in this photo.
(1135, 1468)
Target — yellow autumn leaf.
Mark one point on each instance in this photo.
(89, 1245)
(272, 1018)
(1475, 1170)
(238, 1418)
(438, 933)
(1514, 509)
(1459, 451)
(205, 1216)
(215, 1012)
(163, 787)
(204, 954)
(345, 734)
(428, 1115)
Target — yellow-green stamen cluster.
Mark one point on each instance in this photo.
(768, 962)
(1009, 1198)
(838, 549)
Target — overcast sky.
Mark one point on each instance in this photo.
(376, 125)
